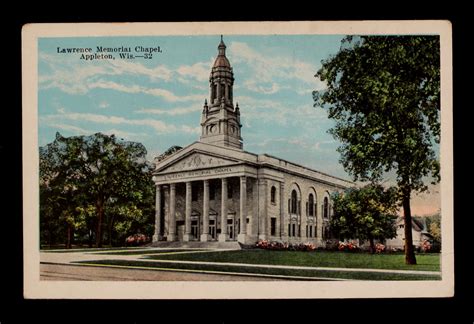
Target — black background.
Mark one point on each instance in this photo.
(15, 309)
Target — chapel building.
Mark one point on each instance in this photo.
(214, 190)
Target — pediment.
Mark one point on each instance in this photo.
(197, 160)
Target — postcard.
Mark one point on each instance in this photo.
(238, 160)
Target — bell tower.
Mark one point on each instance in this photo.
(220, 120)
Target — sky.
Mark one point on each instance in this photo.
(158, 101)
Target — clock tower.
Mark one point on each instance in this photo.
(220, 120)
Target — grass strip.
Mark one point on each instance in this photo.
(426, 262)
(146, 252)
(268, 271)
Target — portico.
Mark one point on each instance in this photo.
(205, 204)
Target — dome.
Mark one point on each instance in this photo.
(221, 61)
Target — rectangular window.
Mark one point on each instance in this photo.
(293, 230)
(311, 231)
(229, 191)
(194, 193)
(289, 230)
(273, 222)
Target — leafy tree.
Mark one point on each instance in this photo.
(366, 213)
(97, 170)
(383, 93)
(173, 149)
(433, 223)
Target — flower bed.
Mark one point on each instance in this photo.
(136, 239)
(379, 248)
(285, 246)
(425, 246)
(348, 247)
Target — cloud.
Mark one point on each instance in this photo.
(268, 68)
(159, 72)
(159, 126)
(262, 87)
(103, 104)
(157, 92)
(70, 128)
(74, 77)
(174, 111)
(82, 131)
(198, 71)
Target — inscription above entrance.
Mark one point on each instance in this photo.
(199, 173)
(198, 161)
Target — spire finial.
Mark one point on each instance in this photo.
(222, 38)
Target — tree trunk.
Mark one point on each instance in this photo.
(68, 243)
(111, 225)
(372, 245)
(100, 217)
(409, 250)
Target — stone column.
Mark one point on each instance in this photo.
(243, 210)
(262, 209)
(283, 225)
(226, 92)
(304, 220)
(172, 218)
(187, 216)
(223, 234)
(219, 92)
(157, 235)
(205, 213)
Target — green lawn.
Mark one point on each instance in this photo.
(309, 274)
(426, 262)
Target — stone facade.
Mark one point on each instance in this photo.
(207, 190)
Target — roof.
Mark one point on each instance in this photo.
(253, 159)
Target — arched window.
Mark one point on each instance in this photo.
(311, 205)
(326, 207)
(273, 195)
(294, 202)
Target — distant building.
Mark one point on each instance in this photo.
(419, 234)
(213, 190)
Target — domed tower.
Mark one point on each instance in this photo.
(220, 121)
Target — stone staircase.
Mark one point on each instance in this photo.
(232, 245)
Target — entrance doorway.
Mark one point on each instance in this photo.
(212, 229)
(194, 229)
(230, 228)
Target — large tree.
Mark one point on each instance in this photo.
(366, 213)
(383, 92)
(97, 170)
